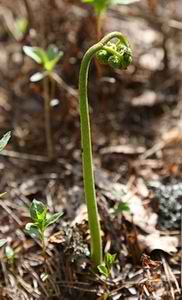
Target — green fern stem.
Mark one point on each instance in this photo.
(88, 174)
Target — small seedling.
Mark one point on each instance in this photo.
(39, 214)
(48, 59)
(105, 270)
(9, 253)
(101, 7)
(106, 267)
(117, 55)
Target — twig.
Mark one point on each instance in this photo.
(64, 85)
(9, 211)
(47, 118)
(34, 275)
(157, 147)
(3, 265)
(19, 155)
(170, 277)
(9, 21)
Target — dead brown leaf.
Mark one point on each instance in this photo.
(155, 241)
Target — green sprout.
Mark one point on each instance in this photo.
(101, 7)
(48, 60)
(41, 221)
(118, 55)
(10, 254)
(106, 267)
(105, 270)
(8, 251)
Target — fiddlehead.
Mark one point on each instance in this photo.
(116, 55)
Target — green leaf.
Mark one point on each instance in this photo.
(4, 140)
(102, 5)
(103, 270)
(38, 211)
(2, 194)
(36, 53)
(110, 260)
(50, 65)
(2, 242)
(37, 77)
(22, 25)
(52, 52)
(48, 58)
(99, 5)
(122, 206)
(33, 230)
(9, 252)
(53, 55)
(53, 219)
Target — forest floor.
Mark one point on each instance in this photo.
(137, 145)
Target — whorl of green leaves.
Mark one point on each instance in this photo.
(41, 218)
(48, 58)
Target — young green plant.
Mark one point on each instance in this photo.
(101, 7)
(105, 270)
(106, 267)
(41, 221)
(8, 252)
(117, 55)
(48, 59)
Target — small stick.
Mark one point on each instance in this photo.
(50, 150)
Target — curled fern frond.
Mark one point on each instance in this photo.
(104, 55)
(117, 55)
